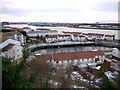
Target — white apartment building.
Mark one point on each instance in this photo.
(116, 52)
(74, 57)
(15, 35)
(26, 29)
(42, 32)
(108, 37)
(10, 48)
(51, 38)
(13, 51)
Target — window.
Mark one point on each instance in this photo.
(89, 58)
(57, 62)
(5, 54)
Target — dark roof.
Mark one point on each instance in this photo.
(108, 35)
(63, 35)
(42, 29)
(9, 46)
(118, 49)
(26, 28)
(5, 36)
(95, 34)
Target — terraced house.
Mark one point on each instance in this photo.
(42, 32)
(72, 57)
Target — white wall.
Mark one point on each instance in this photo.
(116, 52)
(15, 52)
(5, 43)
(84, 60)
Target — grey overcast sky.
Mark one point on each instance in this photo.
(72, 11)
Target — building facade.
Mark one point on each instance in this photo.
(75, 57)
(12, 51)
(14, 35)
(42, 32)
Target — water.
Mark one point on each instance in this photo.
(71, 49)
(60, 29)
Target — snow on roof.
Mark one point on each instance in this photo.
(74, 72)
(109, 75)
(94, 50)
(38, 54)
(98, 67)
(116, 49)
(42, 31)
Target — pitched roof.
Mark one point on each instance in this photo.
(9, 46)
(99, 34)
(80, 71)
(108, 35)
(77, 55)
(95, 34)
(81, 36)
(16, 28)
(73, 33)
(42, 29)
(84, 33)
(4, 36)
(2, 39)
(70, 55)
(26, 28)
(63, 35)
(76, 33)
(118, 49)
(52, 36)
(66, 32)
(44, 57)
(11, 33)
